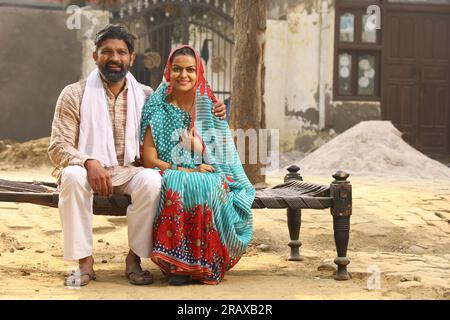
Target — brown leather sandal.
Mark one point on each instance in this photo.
(139, 278)
(75, 280)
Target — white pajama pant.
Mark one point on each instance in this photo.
(75, 208)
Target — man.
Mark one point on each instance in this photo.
(94, 145)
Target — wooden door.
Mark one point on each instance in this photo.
(416, 85)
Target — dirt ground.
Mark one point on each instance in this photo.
(400, 228)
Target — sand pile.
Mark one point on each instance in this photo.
(372, 148)
(29, 154)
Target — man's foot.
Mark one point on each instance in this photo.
(78, 279)
(83, 275)
(134, 272)
(139, 278)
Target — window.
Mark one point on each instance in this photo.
(357, 52)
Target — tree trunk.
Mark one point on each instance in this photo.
(248, 79)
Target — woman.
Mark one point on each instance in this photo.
(204, 223)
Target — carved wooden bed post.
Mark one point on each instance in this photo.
(341, 192)
(294, 218)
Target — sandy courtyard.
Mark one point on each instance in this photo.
(401, 228)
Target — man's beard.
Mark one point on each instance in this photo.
(111, 75)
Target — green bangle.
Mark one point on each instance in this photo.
(174, 166)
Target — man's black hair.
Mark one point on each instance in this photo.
(115, 31)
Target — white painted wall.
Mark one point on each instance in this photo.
(276, 62)
(303, 62)
(292, 72)
(293, 63)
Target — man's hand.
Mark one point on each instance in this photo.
(98, 178)
(220, 110)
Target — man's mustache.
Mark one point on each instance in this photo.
(112, 64)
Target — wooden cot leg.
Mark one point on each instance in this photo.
(294, 220)
(341, 192)
(341, 227)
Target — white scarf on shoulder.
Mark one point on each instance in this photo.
(96, 137)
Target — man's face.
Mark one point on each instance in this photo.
(113, 59)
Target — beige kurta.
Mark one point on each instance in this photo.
(65, 130)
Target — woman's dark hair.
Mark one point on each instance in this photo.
(183, 52)
(115, 31)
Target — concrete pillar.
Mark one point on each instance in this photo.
(91, 22)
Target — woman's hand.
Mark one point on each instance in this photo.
(186, 139)
(190, 142)
(203, 168)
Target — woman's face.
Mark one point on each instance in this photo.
(183, 74)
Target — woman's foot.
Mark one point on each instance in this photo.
(179, 280)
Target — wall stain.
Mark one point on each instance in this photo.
(346, 115)
(342, 115)
(311, 114)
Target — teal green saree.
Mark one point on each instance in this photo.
(204, 223)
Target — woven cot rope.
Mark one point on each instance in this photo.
(292, 194)
(295, 195)
(15, 186)
(296, 187)
(293, 203)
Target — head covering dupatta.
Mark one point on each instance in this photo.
(201, 83)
